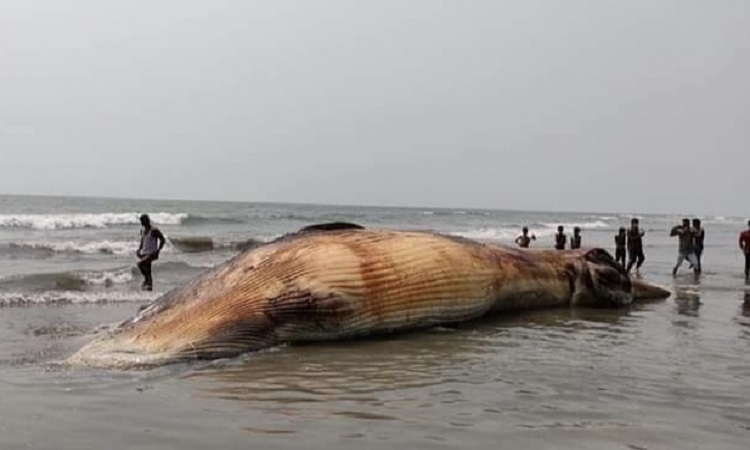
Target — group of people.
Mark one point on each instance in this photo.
(561, 238)
(629, 243)
(690, 248)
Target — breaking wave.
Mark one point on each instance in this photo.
(454, 213)
(75, 247)
(570, 225)
(68, 221)
(200, 244)
(508, 233)
(62, 297)
(68, 281)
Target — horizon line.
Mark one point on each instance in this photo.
(345, 205)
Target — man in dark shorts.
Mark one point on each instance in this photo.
(524, 239)
(560, 238)
(699, 235)
(745, 246)
(575, 241)
(686, 249)
(620, 240)
(152, 241)
(635, 246)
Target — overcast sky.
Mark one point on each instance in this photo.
(632, 106)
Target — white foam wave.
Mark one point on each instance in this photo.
(725, 220)
(97, 247)
(539, 230)
(9, 299)
(500, 234)
(107, 278)
(570, 225)
(604, 218)
(67, 221)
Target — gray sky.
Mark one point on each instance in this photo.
(631, 106)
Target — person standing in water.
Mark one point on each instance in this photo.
(152, 241)
(620, 239)
(560, 238)
(686, 249)
(635, 246)
(699, 235)
(745, 247)
(575, 241)
(524, 239)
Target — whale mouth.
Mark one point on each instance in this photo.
(610, 281)
(607, 279)
(648, 291)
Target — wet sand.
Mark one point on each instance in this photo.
(670, 374)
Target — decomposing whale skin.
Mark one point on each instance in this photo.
(336, 281)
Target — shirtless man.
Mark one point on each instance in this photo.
(524, 239)
(686, 249)
(699, 236)
(575, 241)
(560, 238)
(635, 246)
(620, 240)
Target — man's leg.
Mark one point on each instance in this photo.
(693, 258)
(680, 258)
(631, 262)
(747, 265)
(142, 268)
(641, 258)
(145, 266)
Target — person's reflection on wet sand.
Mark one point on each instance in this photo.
(687, 296)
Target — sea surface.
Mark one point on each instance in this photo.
(672, 374)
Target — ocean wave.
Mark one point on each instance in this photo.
(107, 278)
(68, 281)
(93, 280)
(570, 225)
(602, 218)
(199, 220)
(63, 297)
(500, 234)
(457, 212)
(77, 247)
(201, 244)
(184, 244)
(510, 232)
(68, 221)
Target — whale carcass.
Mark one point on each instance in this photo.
(337, 281)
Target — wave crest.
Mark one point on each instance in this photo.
(18, 299)
(68, 281)
(90, 248)
(68, 221)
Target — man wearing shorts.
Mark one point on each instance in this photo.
(686, 249)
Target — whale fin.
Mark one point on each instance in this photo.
(331, 226)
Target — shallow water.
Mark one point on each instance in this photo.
(672, 374)
(661, 375)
